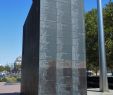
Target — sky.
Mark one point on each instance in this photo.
(12, 16)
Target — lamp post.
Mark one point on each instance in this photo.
(102, 54)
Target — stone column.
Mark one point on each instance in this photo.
(56, 55)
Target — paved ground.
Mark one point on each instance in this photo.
(97, 92)
(9, 94)
(8, 89)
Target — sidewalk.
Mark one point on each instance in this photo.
(14, 89)
(97, 92)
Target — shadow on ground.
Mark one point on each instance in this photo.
(9, 93)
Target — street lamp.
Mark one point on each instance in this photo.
(102, 54)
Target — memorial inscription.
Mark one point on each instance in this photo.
(61, 55)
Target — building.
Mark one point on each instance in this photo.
(17, 65)
(18, 61)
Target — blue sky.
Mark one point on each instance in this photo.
(89, 4)
(12, 17)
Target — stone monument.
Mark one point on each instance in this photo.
(53, 61)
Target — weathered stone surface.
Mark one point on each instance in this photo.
(30, 58)
(54, 49)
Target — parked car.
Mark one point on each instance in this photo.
(2, 75)
(89, 73)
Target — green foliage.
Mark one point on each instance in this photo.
(92, 40)
(3, 79)
(2, 68)
(19, 79)
(108, 27)
(11, 79)
(7, 68)
(92, 37)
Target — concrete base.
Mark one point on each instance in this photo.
(97, 92)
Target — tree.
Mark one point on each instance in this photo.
(108, 27)
(2, 68)
(92, 37)
(91, 40)
(7, 68)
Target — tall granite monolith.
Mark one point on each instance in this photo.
(54, 58)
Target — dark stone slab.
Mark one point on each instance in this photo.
(30, 57)
(54, 49)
